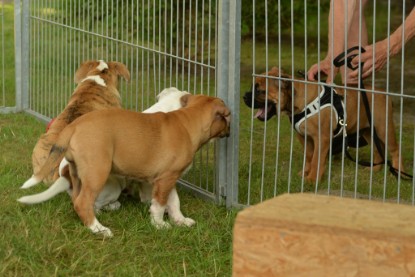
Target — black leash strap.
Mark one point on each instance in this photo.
(346, 58)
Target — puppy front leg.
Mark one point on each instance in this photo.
(173, 209)
(308, 148)
(316, 171)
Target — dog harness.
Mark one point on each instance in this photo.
(321, 102)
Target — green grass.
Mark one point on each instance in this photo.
(49, 239)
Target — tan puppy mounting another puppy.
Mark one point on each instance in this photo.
(156, 148)
(97, 89)
(167, 100)
(291, 98)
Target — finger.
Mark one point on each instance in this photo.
(352, 81)
(353, 74)
(355, 61)
(367, 73)
(310, 75)
(329, 79)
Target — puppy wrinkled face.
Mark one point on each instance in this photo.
(257, 99)
(265, 97)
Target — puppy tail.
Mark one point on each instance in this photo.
(62, 184)
(56, 155)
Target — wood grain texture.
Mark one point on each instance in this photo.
(313, 235)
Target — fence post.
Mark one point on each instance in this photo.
(228, 85)
(21, 37)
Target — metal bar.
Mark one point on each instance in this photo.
(228, 57)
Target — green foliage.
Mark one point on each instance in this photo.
(279, 14)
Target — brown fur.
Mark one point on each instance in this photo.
(301, 99)
(155, 148)
(87, 97)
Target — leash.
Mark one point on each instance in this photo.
(346, 58)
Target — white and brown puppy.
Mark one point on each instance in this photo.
(97, 89)
(167, 100)
(155, 148)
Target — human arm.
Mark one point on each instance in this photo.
(376, 55)
(337, 31)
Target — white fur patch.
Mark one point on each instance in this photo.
(168, 100)
(98, 228)
(30, 183)
(60, 185)
(173, 208)
(97, 79)
(63, 163)
(102, 65)
(156, 214)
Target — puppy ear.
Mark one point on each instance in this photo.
(184, 100)
(82, 72)
(274, 70)
(120, 69)
(223, 112)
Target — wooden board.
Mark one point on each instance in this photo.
(314, 235)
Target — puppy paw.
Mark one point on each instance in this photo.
(186, 221)
(98, 228)
(160, 225)
(112, 206)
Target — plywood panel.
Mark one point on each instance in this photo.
(311, 235)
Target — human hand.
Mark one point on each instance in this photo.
(370, 62)
(326, 67)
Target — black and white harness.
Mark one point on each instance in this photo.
(328, 98)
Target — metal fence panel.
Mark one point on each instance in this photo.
(164, 43)
(2, 79)
(196, 46)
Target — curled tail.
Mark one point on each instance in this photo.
(55, 156)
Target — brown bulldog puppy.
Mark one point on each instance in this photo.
(302, 102)
(155, 148)
(97, 90)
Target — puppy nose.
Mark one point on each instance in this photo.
(248, 99)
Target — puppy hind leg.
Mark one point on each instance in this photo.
(92, 184)
(75, 181)
(161, 190)
(173, 209)
(377, 158)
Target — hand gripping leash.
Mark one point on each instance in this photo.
(346, 58)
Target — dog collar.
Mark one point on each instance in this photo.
(321, 102)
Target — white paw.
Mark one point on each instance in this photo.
(186, 221)
(98, 228)
(112, 206)
(160, 224)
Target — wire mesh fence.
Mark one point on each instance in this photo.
(293, 36)
(164, 43)
(3, 102)
(194, 46)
